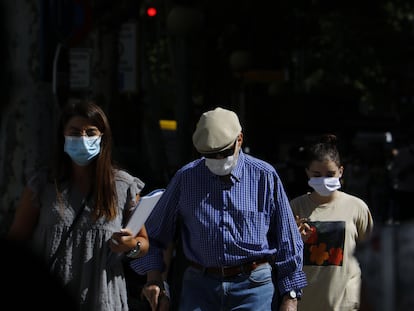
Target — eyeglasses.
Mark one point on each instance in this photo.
(90, 132)
(221, 154)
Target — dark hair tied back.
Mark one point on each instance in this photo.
(325, 148)
(330, 139)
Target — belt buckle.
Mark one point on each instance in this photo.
(223, 273)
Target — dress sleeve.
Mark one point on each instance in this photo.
(135, 189)
(129, 186)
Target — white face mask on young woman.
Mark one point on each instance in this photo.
(324, 185)
(223, 166)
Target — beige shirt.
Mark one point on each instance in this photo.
(333, 273)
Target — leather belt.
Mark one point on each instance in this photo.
(230, 271)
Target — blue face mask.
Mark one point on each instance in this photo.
(82, 149)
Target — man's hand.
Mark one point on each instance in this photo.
(156, 295)
(288, 304)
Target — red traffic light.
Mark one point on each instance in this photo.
(151, 11)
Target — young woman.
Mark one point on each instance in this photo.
(73, 213)
(331, 223)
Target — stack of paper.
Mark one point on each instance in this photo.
(143, 209)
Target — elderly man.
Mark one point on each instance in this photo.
(236, 226)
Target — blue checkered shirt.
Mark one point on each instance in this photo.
(226, 223)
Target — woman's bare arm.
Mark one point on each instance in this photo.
(25, 217)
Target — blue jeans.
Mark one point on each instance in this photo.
(247, 292)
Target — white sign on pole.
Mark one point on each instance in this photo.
(79, 68)
(127, 63)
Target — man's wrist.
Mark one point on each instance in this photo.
(293, 294)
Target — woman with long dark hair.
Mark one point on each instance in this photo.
(72, 213)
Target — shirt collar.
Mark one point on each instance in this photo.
(238, 170)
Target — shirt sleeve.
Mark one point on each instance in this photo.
(365, 223)
(160, 225)
(288, 243)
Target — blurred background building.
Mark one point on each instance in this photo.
(291, 71)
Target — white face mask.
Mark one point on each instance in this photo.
(324, 185)
(221, 167)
